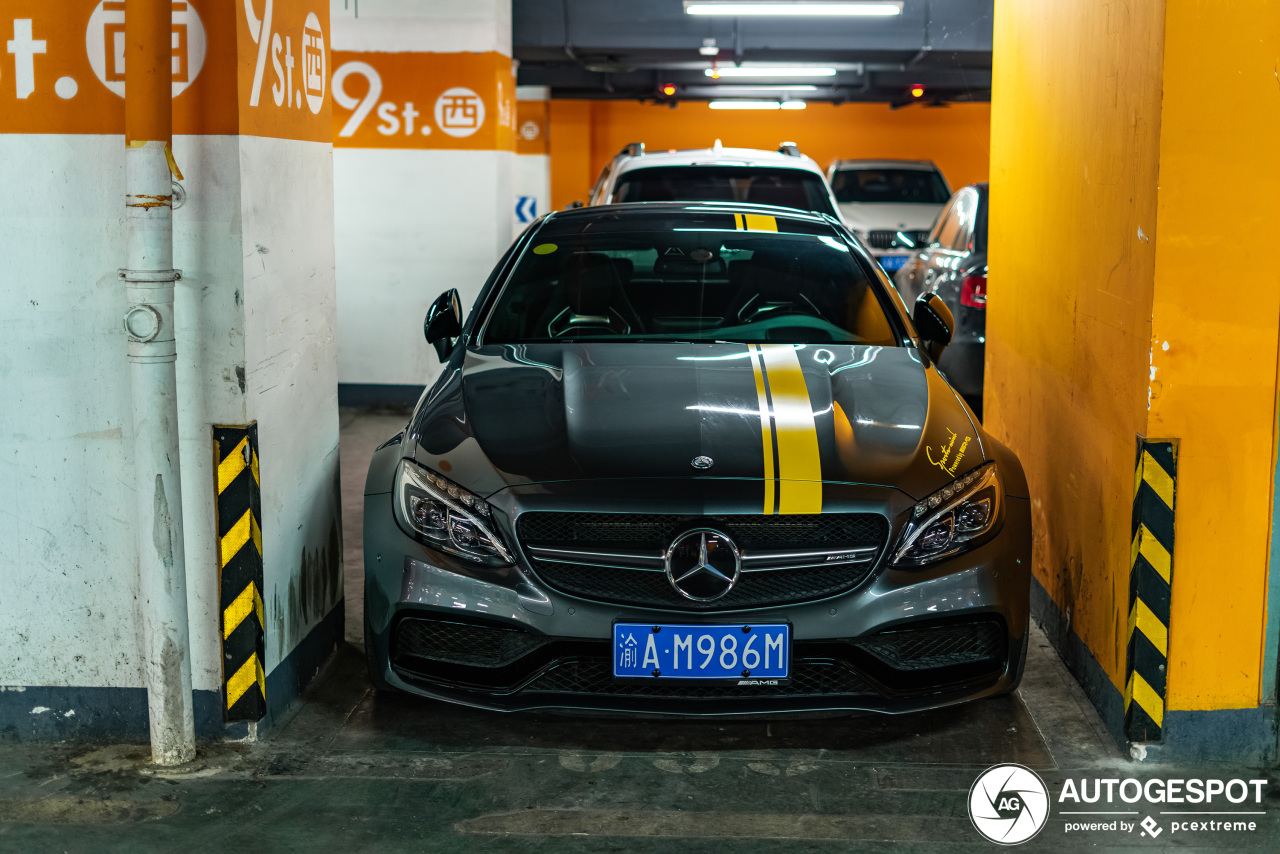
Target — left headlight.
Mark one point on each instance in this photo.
(447, 517)
(959, 517)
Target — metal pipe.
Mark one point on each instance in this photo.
(149, 279)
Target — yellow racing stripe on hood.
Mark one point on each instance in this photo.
(799, 461)
(766, 429)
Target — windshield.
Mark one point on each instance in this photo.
(909, 186)
(688, 284)
(786, 188)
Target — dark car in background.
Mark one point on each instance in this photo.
(953, 265)
(694, 458)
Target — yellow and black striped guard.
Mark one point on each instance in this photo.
(1150, 574)
(238, 486)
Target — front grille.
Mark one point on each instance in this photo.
(462, 643)
(885, 239)
(646, 530)
(648, 588)
(938, 646)
(809, 679)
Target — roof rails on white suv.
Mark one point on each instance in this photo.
(786, 156)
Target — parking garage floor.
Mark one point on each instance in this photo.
(351, 771)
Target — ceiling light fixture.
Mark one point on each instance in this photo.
(798, 9)
(756, 105)
(765, 71)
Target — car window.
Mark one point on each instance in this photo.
(594, 194)
(690, 283)
(965, 212)
(788, 188)
(949, 224)
(898, 186)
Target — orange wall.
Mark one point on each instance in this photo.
(585, 135)
(1075, 149)
(1213, 354)
(1133, 294)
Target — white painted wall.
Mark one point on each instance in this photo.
(292, 378)
(412, 223)
(532, 176)
(431, 25)
(409, 225)
(68, 565)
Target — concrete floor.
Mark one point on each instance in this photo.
(354, 772)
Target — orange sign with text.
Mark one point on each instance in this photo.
(284, 69)
(62, 67)
(533, 118)
(423, 100)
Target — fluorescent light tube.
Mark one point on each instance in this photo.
(756, 105)
(764, 71)
(799, 9)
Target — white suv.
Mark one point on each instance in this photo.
(890, 204)
(783, 178)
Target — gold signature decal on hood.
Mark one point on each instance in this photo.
(945, 461)
(792, 463)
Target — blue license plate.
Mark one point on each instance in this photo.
(892, 262)
(735, 651)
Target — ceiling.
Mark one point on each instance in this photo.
(630, 49)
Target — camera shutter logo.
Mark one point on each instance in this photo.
(1009, 804)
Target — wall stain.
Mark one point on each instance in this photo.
(313, 592)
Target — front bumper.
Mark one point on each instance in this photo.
(902, 640)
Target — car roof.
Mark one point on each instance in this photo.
(628, 210)
(718, 156)
(923, 165)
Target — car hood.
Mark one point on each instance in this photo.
(521, 414)
(882, 215)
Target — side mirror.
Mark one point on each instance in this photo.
(934, 322)
(577, 203)
(443, 323)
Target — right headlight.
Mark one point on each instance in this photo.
(447, 517)
(959, 517)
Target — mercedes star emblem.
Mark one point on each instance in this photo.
(702, 462)
(703, 564)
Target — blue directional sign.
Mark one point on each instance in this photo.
(526, 208)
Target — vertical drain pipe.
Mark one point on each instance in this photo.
(149, 278)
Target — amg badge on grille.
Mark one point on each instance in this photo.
(702, 462)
